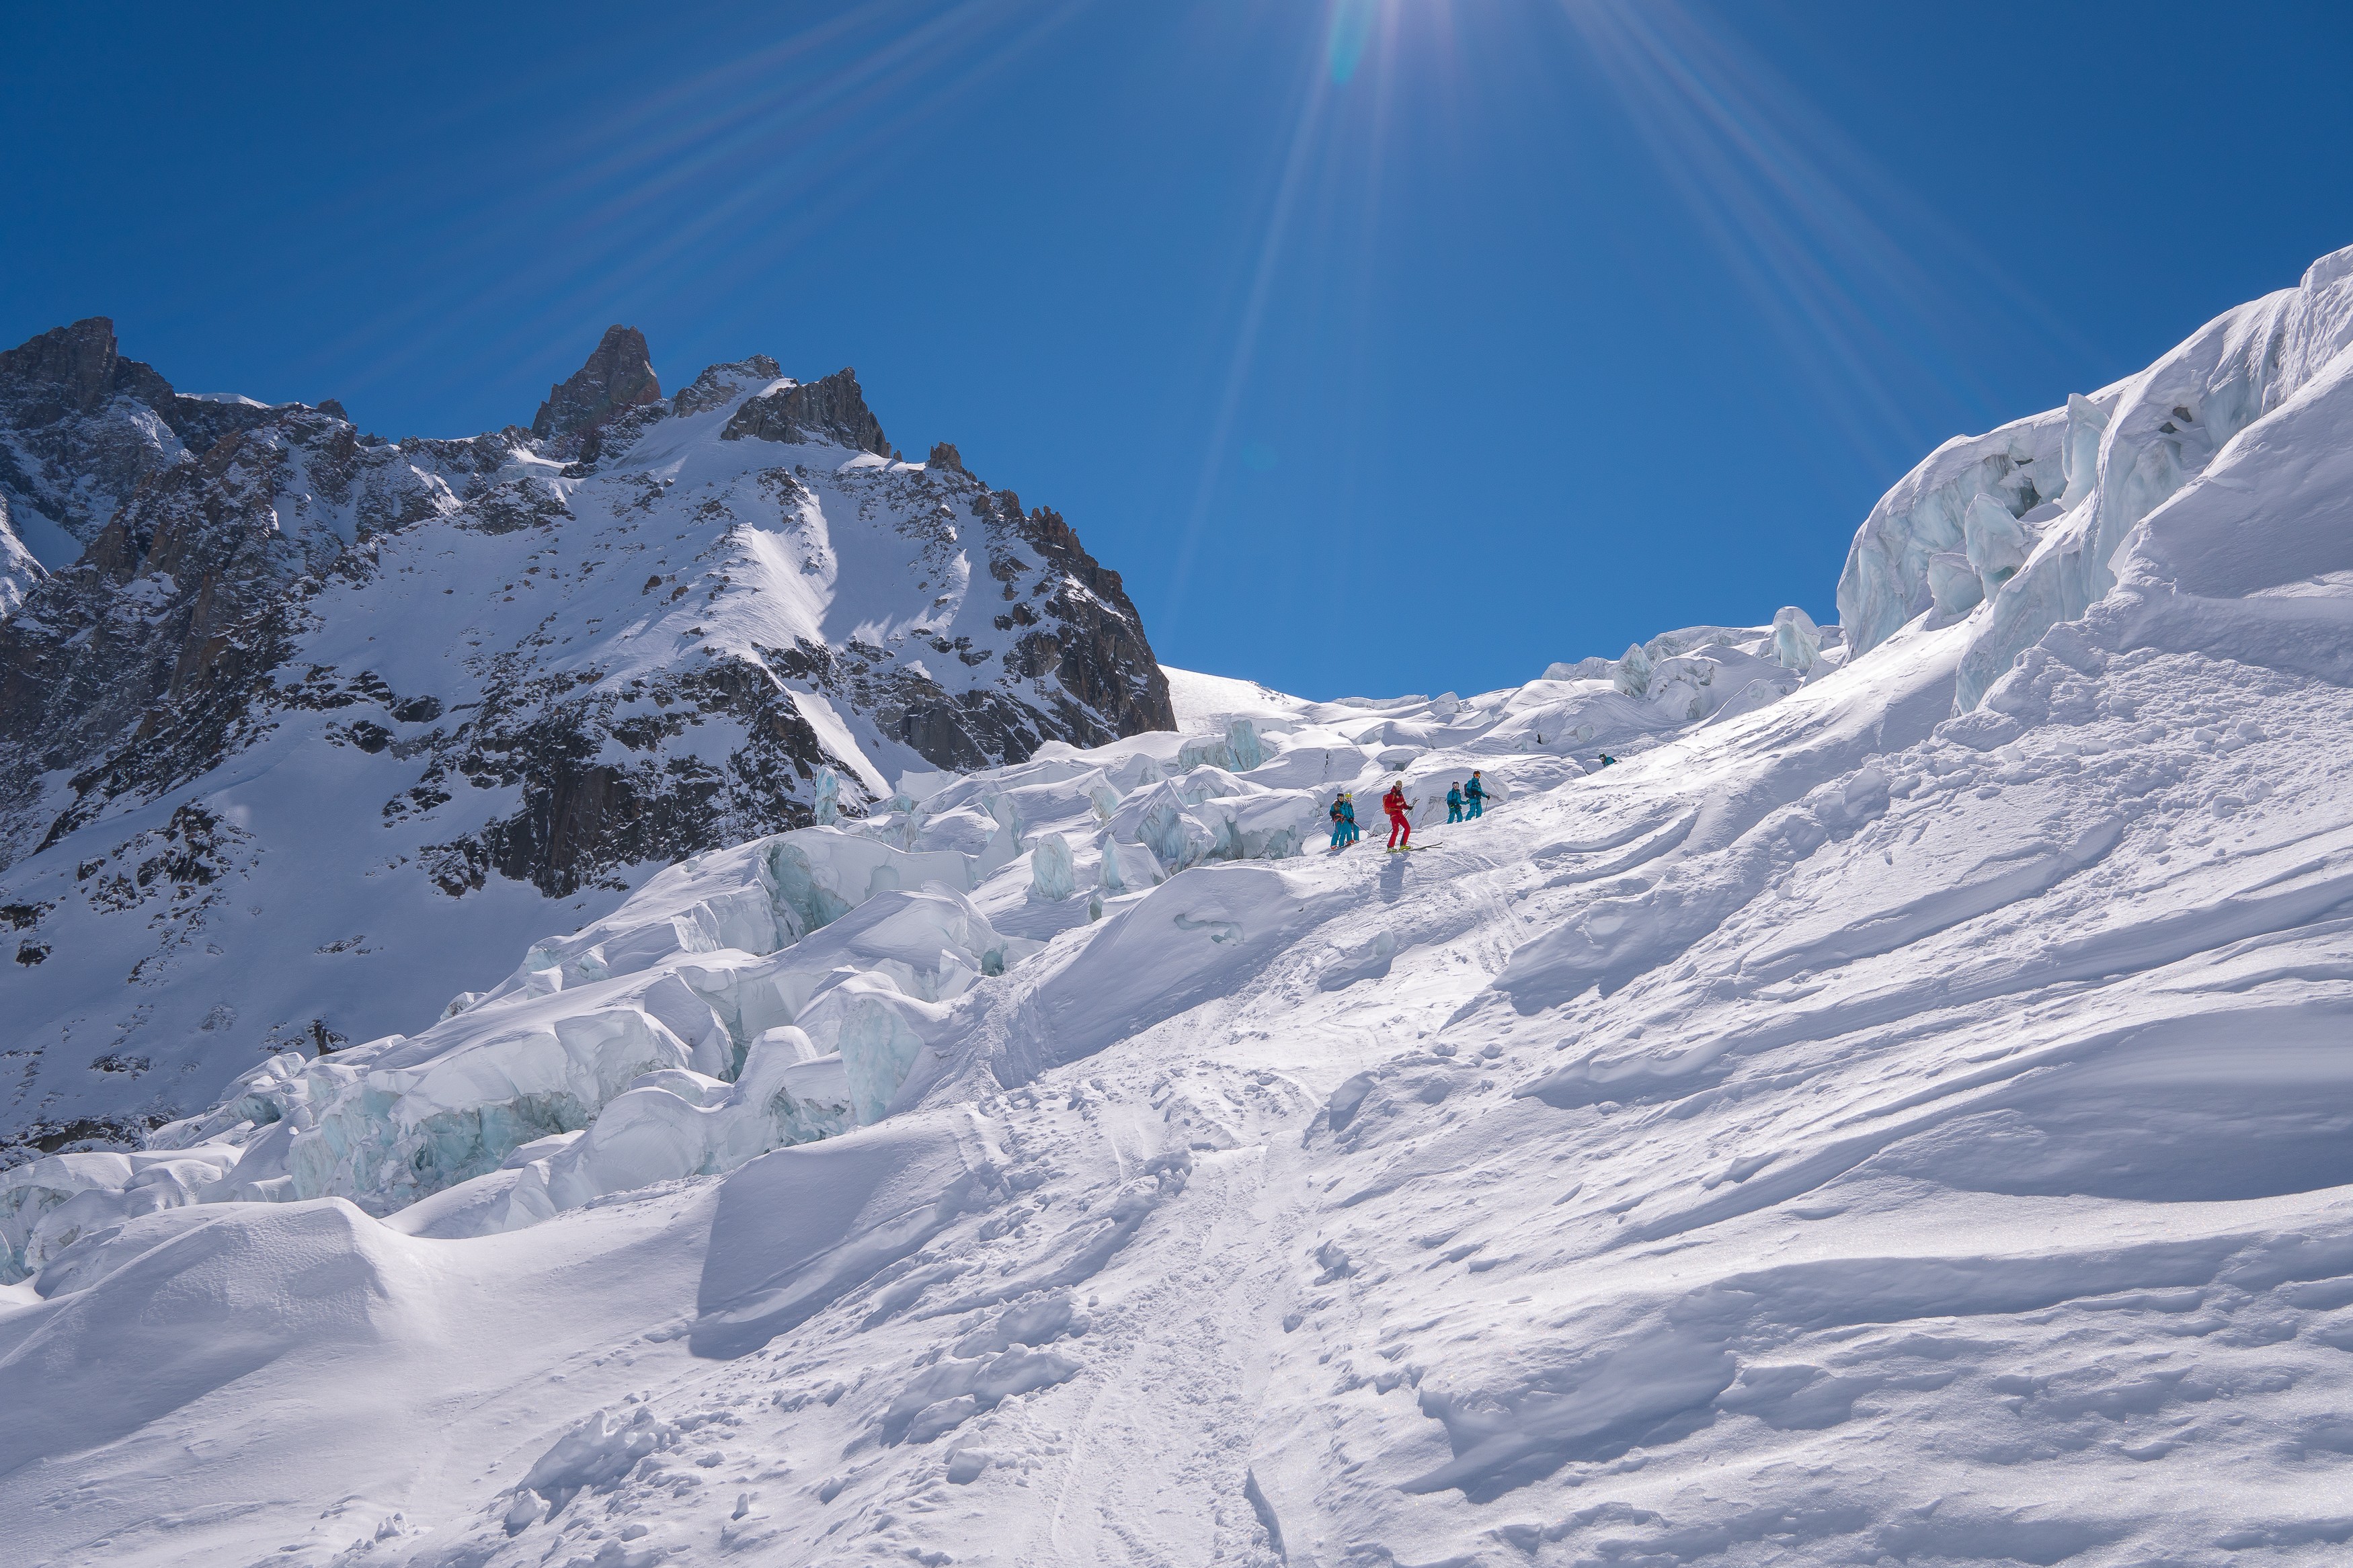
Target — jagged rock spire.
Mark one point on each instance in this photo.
(75, 365)
(73, 370)
(620, 374)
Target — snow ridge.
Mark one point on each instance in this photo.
(2029, 518)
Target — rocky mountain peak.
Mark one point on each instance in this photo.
(833, 410)
(75, 369)
(69, 368)
(619, 375)
(501, 679)
(83, 427)
(945, 455)
(720, 383)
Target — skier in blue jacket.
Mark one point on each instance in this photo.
(1454, 802)
(1344, 821)
(1475, 793)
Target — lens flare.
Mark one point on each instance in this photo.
(1863, 285)
(803, 125)
(1825, 243)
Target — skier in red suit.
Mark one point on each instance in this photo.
(1397, 805)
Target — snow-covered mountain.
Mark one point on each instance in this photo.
(301, 729)
(1883, 1119)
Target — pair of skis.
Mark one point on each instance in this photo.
(1400, 849)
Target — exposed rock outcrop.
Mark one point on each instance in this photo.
(620, 376)
(81, 428)
(833, 410)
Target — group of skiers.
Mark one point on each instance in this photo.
(1464, 801)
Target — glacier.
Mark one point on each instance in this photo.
(1901, 1112)
(783, 990)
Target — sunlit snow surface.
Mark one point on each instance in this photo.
(1842, 1133)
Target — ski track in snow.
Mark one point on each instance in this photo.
(1843, 1132)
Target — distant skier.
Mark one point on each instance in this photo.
(1454, 802)
(1476, 794)
(1400, 825)
(1344, 821)
(1608, 761)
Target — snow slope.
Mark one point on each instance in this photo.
(1845, 1132)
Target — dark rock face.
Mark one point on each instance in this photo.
(67, 370)
(201, 423)
(152, 658)
(85, 425)
(1098, 652)
(617, 376)
(720, 382)
(586, 813)
(832, 410)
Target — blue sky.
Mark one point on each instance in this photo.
(1383, 345)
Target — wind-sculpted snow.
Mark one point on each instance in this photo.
(1842, 1133)
(807, 1227)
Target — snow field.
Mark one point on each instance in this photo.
(1964, 1186)
(1880, 1125)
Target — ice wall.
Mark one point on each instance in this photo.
(2020, 530)
(771, 994)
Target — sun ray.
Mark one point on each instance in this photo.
(1826, 244)
(800, 126)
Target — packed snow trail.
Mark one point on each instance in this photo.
(1846, 1130)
